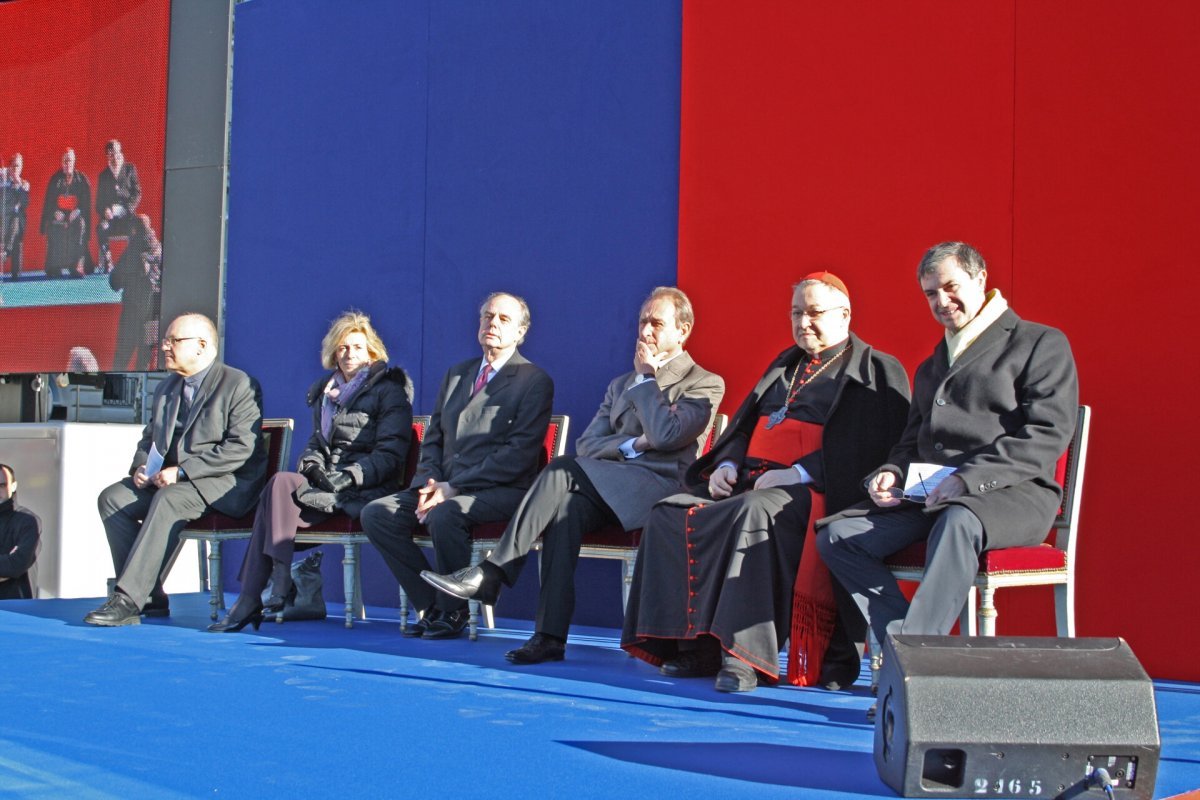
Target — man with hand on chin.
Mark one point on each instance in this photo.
(644, 436)
(479, 455)
(716, 572)
(996, 402)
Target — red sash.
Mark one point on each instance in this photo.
(785, 443)
(67, 202)
(813, 609)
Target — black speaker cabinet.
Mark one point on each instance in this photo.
(1014, 717)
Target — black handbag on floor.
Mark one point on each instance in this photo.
(305, 600)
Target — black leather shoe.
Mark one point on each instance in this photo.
(448, 625)
(157, 606)
(539, 648)
(839, 684)
(418, 628)
(692, 664)
(118, 610)
(838, 676)
(469, 583)
(736, 677)
(239, 617)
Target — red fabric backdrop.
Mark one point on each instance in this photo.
(1057, 138)
(76, 73)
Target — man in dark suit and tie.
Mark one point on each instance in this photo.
(634, 453)
(479, 455)
(202, 449)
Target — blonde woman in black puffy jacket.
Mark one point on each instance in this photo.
(362, 425)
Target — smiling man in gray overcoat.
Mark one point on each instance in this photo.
(996, 402)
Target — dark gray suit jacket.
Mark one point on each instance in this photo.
(1002, 415)
(489, 443)
(220, 449)
(674, 410)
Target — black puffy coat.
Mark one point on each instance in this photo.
(370, 440)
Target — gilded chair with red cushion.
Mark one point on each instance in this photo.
(341, 529)
(1050, 563)
(485, 536)
(614, 542)
(212, 530)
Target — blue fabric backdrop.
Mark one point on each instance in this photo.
(408, 158)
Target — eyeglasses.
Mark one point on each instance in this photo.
(910, 496)
(813, 313)
(171, 341)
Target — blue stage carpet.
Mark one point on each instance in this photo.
(310, 709)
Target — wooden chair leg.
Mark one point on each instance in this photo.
(202, 558)
(876, 658)
(217, 598)
(987, 612)
(349, 570)
(628, 564)
(360, 609)
(1064, 609)
(474, 607)
(966, 617)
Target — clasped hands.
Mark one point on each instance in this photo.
(164, 477)
(885, 493)
(433, 493)
(333, 481)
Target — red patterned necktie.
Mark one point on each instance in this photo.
(482, 380)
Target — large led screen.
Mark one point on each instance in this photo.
(83, 89)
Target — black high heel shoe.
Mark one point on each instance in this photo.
(232, 624)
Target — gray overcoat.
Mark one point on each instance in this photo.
(1002, 415)
(674, 410)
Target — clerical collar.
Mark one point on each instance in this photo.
(833, 351)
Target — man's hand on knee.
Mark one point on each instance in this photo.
(433, 493)
(952, 486)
